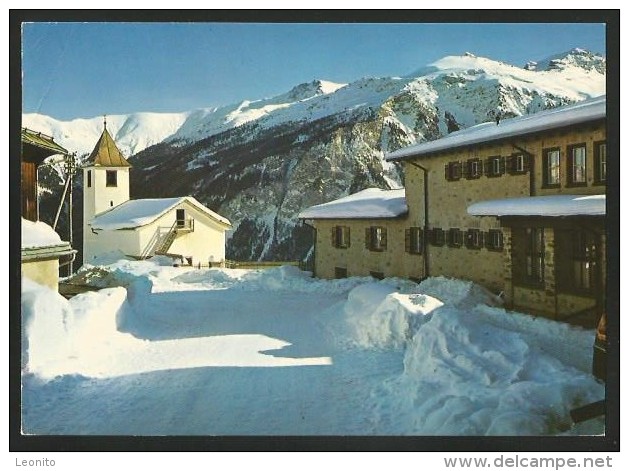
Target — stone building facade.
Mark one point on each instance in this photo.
(366, 234)
(546, 255)
(541, 259)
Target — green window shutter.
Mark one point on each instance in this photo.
(348, 239)
(407, 240)
(368, 238)
(334, 237)
(486, 166)
(384, 238)
(511, 164)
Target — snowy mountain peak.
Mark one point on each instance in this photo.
(577, 57)
(329, 87)
(305, 91)
(469, 63)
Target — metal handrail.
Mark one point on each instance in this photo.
(186, 224)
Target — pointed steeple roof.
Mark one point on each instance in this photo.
(106, 153)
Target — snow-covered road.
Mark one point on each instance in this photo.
(274, 352)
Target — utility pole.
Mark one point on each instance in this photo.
(70, 170)
(69, 165)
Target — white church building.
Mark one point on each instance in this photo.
(181, 227)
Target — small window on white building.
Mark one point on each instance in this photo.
(181, 217)
(111, 178)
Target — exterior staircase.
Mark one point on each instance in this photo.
(179, 226)
(163, 247)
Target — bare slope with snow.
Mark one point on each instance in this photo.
(275, 352)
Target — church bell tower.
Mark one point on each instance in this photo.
(105, 183)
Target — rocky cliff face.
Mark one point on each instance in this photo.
(259, 163)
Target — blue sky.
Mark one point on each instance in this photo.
(73, 70)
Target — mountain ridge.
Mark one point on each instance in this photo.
(173, 125)
(260, 162)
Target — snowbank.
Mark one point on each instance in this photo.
(107, 258)
(69, 337)
(479, 372)
(457, 292)
(376, 315)
(470, 368)
(387, 313)
(43, 315)
(281, 279)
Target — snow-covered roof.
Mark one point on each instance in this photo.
(369, 203)
(137, 213)
(585, 111)
(549, 206)
(38, 234)
(41, 242)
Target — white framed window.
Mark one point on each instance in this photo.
(376, 238)
(577, 164)
(552, 161)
